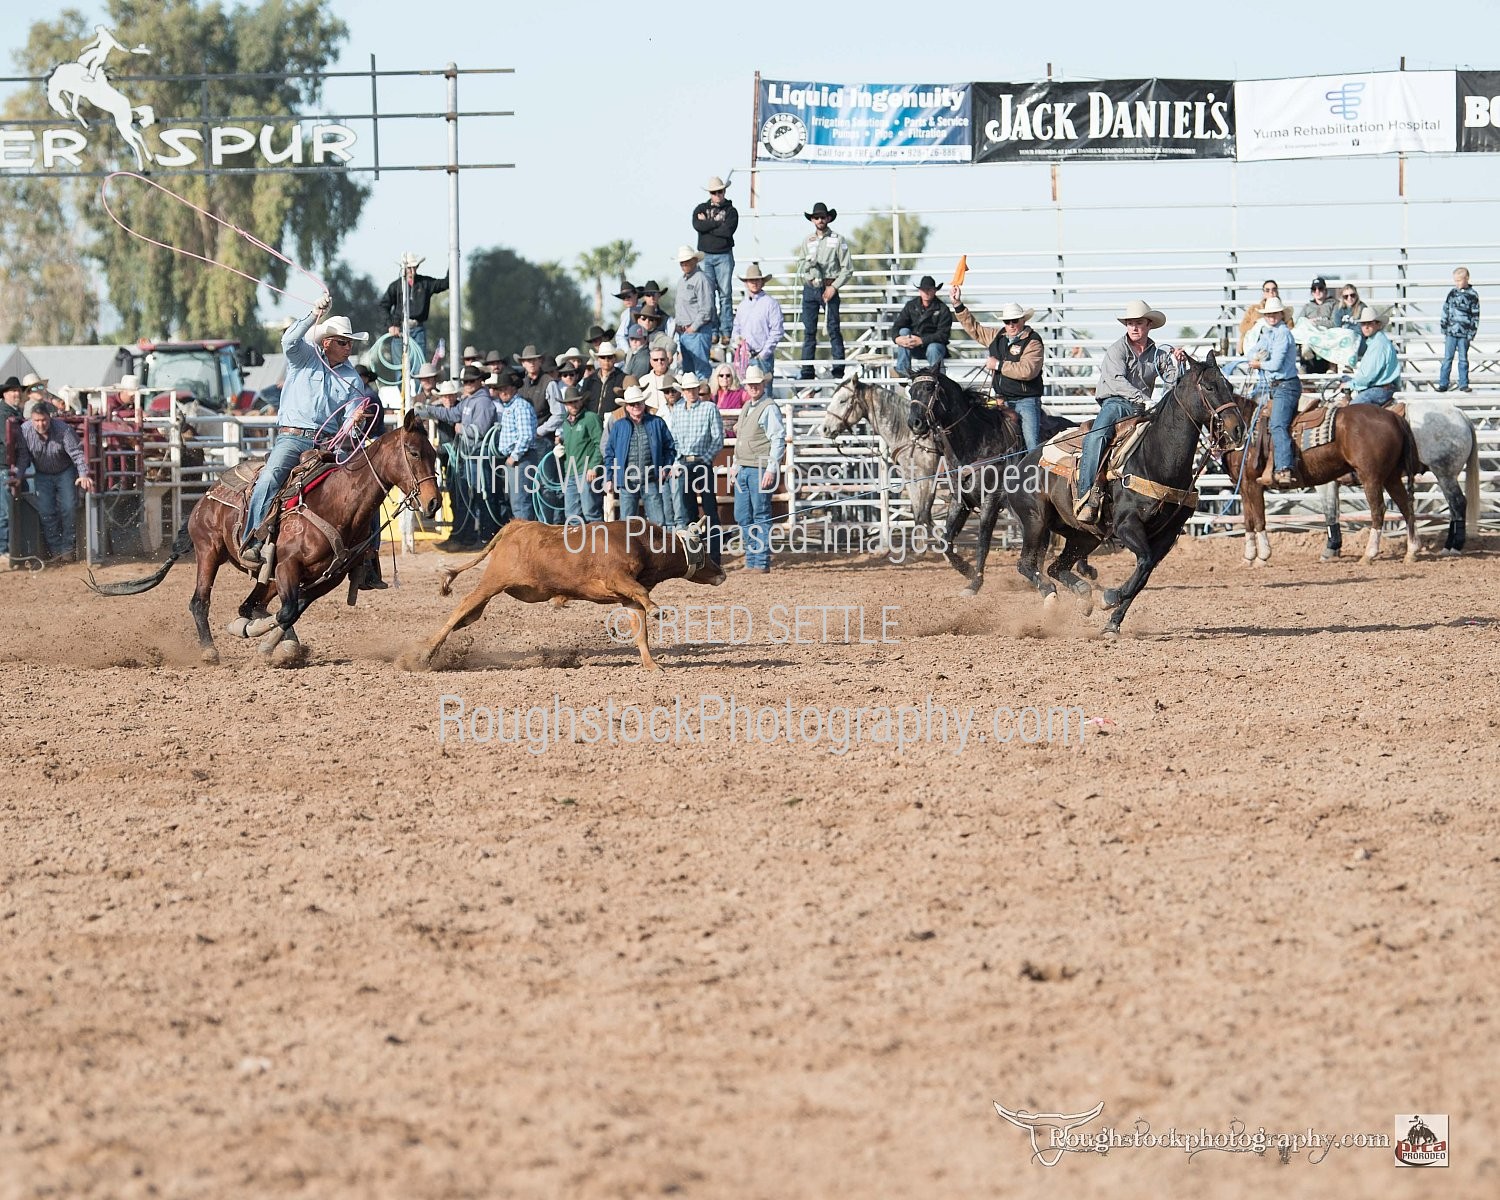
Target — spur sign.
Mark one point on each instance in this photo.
(82, 93)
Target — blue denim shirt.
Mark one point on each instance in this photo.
(313, 391)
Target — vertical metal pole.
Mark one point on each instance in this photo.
(895, 233)
(455, 300)
(375, 115)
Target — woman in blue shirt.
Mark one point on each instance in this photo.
(1274, 358)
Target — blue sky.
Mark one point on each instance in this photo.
(621, 117)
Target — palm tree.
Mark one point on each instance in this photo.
(613, 258)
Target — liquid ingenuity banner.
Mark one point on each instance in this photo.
(863, 124)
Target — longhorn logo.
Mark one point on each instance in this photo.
(1065, 1123)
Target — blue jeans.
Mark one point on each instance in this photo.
(581, 499)
(720, 271)
(1284, 396)
(288, 448)
(673, 502)
(935, 352)
(642, 495)
(698, 495)
(812, 301)
(1374, 395)
(752, 512)
(519, 482)
(4, 519)
(418, 337)
(1452, 344)
(56, 498)
(1029, 409)
(1112, 409)
(694, 347)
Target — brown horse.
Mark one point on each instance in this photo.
(1371, 441)
(316, 546)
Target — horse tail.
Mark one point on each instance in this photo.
(1471, 483)
(134, 587)
(1411, 462)
(446, 587)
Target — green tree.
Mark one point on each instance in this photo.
(874, 237)
(158, 293)
(611, 259)
(512, 301)
(49, 298)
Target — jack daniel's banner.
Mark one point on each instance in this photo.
(1116, 119)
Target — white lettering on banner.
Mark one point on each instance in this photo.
(875, 99)
(1052, 120)
(62, 146)
(185, 156)
(1480, 111)
(15, 148)
(228, 139)
(333, 140)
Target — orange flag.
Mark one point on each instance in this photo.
(960, 271)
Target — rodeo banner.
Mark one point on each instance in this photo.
(1479, 111)
(1330, 116)
(1109, 120)
(863, 124)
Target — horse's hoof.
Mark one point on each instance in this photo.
(271, 640)
(1447, 552)
(1367, 559)
(259, 626)
(1108, 634)
(1050, 598)
(209, 657)
(289, 654)
(1111, 598)
(971, 590)
(414, 661)
(236, 628)
(1329, 556)
(1257, 562)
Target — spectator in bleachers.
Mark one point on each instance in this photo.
(638, 450)
(471, 358)
(568, 375)
(534, 384)
(53, 449)
(695, 312)
(630, 296)
(760, 444)
(758, 324)
(653, 299)
(1459, 324)
(653, 383)
(1346, 312)
(715, 221)
(924, 324)
(1274, 358)
(582, 460)
(427, 382)
(672, 503)
(1250, 322)
(419, 289)
(725, 390)
(597, 336)
(601, 391)
(638, 361)
(470, 418)
(1317, 313)
(652, 320)
(1378, 372)
(823, 269)
(516, 452)
(35, 388)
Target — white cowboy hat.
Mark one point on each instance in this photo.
(1014, 312)
(606, 350)
(1137, 309)
(411, 260)
(688, 381)
(753, 271)
(447, 388)
(1272, 306)
(128, 383)
(336, 327)
(1366, 315)
(31, 380)
(427, 371)
(684, 253)
(570, 352)
(715, 184)
(754, 374)
(633, 395)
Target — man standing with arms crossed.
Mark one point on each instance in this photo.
(823, 268)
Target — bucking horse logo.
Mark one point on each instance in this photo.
(85, 79)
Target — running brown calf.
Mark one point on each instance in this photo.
(614, 562)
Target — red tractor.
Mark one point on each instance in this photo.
(210, 373)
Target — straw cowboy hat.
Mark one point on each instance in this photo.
(336, 327)
(128, 383)
(753, 272)
(822, 210)
(471, 352)
(1367, 315)
(606, 350)
(411, 260)
(688, 381)
(715, 184)
(447, 388)
(1272, 307)
(1014, 312)
(754, 374)
(427, 371)
(570, 352)
(1137, 309)
(633, 395)
(687, 254)
(33, 380)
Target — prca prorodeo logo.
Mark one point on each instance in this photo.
(784, 135)
(1422, 1142)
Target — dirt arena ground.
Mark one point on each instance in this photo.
(263, 934)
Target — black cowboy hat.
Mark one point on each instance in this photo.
(822, 210)
(472, 374)
(599, 334)
(626, 289)
(927, 282)
(651, 288)
(11, 385)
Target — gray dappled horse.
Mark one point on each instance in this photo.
(885, 408)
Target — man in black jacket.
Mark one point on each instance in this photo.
(716, 220)
(602, 390)
(924, 324)
(420, 290)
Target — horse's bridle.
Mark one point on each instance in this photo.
(1219, 441)
(849, 420)
(410, 498)
(942, 431)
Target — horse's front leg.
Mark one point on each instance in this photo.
(963, 505)
(1329, 492)
(209, 561)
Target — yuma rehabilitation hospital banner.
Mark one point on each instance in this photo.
(1117, 119)
(863, 124)
(1330, 116)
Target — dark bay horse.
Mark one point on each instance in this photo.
(1370, 440)
(309, 562)
(984, 448)
(1146, 524)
